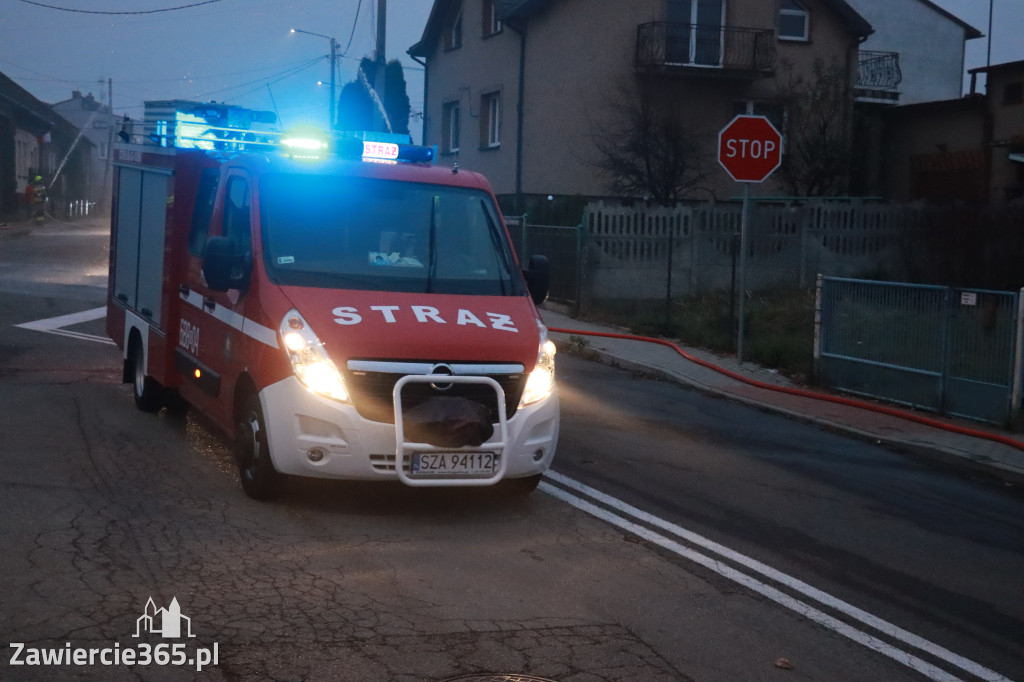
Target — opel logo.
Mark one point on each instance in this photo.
(444, 371)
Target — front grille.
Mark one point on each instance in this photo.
(372, 389)
(386, 463)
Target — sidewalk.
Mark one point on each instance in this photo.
(997, 459)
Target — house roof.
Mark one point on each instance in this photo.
(1005, 66)
(31, 112)
(511, 11)
(970, 32)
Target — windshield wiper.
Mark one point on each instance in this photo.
(500, 248)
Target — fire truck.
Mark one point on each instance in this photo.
(341, 308)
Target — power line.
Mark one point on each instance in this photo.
(353, 33)
(96, 11)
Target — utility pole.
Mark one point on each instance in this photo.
(332, 124)
(379, 80)
(106, 190)
(334, 59)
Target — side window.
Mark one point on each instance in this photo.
(491, 22)
(450, 128)
(453, 31)
(203, 210)
(236, 213)
(793, 21)
(490, 120)
(773, 111)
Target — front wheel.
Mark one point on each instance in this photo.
(260, 480)
(520, 486)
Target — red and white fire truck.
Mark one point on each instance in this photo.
(340, 308)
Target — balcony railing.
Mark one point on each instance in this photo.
(878, 74)
(743, 52)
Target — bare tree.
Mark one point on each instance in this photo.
(645, 148)
(817, 132)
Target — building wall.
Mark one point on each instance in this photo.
(580, 57)
(930, 47)
(1007, 112)
(480, 65)
(934, 151)
(96, 122)
(26, 158)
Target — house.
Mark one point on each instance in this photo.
(99, 124)
(36, 140)
(1004, 138)
(915, 54)
(934, 151)
(969, 149)
(530, 91)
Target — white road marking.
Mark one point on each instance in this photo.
(54, 325)
(764, 589)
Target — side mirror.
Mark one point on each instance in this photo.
(538, 278)
(223, 267)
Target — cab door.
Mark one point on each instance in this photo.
(213, 351)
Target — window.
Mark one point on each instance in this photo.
(490, 120)
(694, 32)
(203, 211)
(450, 128)
(236, 214)
(492, 24)
(793, 21)
(1013, 93)
(773, 111)
(453, 32)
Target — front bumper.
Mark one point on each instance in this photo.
(317, 437)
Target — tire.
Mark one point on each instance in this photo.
(260, 480)
(520, 486)
(148, 393)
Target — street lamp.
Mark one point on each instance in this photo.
(334, 57)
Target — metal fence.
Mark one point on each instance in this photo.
(942, 349)
(562, 246)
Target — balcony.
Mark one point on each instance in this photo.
(878, 76)
(705, 50)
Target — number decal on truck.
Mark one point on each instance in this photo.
(188, 336)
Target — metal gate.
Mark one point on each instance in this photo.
(562, 246)
(942, 349)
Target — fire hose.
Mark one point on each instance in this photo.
(803, 393)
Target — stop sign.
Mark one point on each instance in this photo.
(749, 148)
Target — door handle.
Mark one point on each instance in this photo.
(209, 303)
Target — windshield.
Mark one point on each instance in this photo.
(384, 235)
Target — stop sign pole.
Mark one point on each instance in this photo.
(749, 149)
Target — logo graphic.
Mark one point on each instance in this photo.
(164, 622)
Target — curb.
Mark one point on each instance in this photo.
(932, 453)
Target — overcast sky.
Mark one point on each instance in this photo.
(241, 51)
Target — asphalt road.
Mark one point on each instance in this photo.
(680, 537)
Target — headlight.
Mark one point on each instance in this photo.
(310, 362)
(541, 381)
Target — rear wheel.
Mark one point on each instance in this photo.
(148, 393)
(260, 480)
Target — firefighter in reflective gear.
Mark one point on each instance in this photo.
(38, 194)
